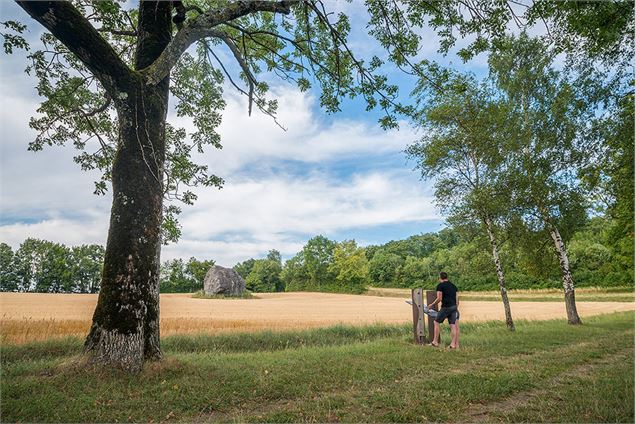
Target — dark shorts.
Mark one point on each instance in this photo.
(451, 313)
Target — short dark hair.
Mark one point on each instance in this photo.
(443, 275)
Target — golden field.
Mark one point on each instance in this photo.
(28, 317)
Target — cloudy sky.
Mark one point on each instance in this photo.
(337, 175)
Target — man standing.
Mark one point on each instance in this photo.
(447, 294)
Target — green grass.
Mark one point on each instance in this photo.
(201, 295)
(545, 371)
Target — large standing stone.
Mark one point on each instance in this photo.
(224, 281)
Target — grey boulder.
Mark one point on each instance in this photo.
(223, 281)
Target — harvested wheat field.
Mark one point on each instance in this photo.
(36, 316)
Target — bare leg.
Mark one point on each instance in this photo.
(437, 332)
(454, 328)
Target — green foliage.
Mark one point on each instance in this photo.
(583, 30)
(87, 262)
(383, 268)
(200, 294)
(350, 267)
(47, 267)
(530, 263)
(418, 272)
(594, 259)
(551, 144)
(180, 277)
(464, 126)
(610, 180)
(13, 39)
(309, 269)
(8, 278)
(326, 266)
(245, 267)
(265, 274)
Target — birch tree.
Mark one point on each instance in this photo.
(550, 121)
(463, 125)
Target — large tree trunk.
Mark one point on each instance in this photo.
(500, 274)
(125, 329)
(567, 280)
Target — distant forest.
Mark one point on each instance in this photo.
(597, 259)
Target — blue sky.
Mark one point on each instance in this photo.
(338, 175)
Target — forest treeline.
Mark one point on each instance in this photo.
(46, 267)
(597, 258)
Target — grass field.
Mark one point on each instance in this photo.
(544, 372)
(35, 316)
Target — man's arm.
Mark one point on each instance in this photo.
(457, 299)
(437, 300)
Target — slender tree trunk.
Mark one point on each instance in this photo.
(500, 274)
(567, 280)
(125, 329)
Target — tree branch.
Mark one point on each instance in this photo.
(202, 26)
(119, 32)
(72, 29)
(251, 80)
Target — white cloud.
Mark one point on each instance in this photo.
(312, 205)
(252, 216)
(257, 139)
(66, 231)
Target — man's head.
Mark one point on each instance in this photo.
(443, 276)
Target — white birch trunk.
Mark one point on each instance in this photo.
(500, 274)
(567, 279)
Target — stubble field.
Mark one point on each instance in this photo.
(27, 317)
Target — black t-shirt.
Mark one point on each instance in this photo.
(449, 293)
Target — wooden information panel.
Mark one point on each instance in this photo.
(418, 316)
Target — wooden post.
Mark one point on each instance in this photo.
(431, 295)
(417, 316)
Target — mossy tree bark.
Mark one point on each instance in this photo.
(125, 329)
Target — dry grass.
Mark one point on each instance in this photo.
(29, 330)
(34, 316)
(18, 331)
(584, 294)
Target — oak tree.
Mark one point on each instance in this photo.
(106, 75)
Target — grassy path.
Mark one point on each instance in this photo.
(528, 405)
(546, 371)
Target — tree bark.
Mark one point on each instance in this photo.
(125, 329)
(567, 280)
(500, 274)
